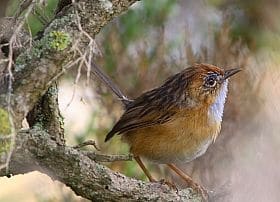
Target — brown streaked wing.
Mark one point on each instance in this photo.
(154, 107)
(140, 117)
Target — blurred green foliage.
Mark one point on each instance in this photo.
(135, 25)
(254, 21)
(41, 15)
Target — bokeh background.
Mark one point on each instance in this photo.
(152, 41)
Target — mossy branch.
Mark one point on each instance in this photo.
(37, 151)
(41, 65)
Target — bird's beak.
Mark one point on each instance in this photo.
(231, 72)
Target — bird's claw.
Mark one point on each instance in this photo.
(169, 184)
(200, 189)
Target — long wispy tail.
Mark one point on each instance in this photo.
(96, 71)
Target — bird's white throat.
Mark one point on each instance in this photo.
(216, 110)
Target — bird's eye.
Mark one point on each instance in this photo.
(210, 82)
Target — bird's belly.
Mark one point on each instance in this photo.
(173, 143)
(187, 155)
(176, 152)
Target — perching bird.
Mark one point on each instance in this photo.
(177, 121)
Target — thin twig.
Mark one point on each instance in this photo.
(108, 158)
(84, 55)
(87, 143)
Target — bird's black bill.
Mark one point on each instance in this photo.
(231, 72)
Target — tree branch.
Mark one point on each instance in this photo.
(37, 151)
(38, 67)
(46, 113)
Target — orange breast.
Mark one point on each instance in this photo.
(180, 140)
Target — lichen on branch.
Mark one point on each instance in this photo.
(54, 41)
(5, 130)
(5, 126)
(59, 40)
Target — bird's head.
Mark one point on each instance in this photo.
(208, 83)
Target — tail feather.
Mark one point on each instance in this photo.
(110, 84)
(114, 88)
(109, 136)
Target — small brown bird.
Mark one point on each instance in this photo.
(176, 122)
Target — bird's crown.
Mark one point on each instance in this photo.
(201, 83)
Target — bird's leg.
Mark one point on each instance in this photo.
(147, 173)
(141, 164)
(189, 180)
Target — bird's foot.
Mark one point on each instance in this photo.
(200, 189)
(169, 184)
(196, 187)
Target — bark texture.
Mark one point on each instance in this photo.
(35, 150)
